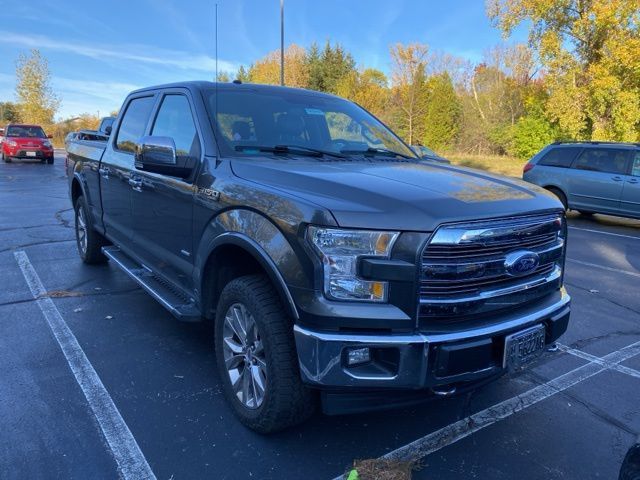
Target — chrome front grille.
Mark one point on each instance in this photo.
(466, 269)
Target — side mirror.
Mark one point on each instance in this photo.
(158, 155)
(49, 136)
(107, 130)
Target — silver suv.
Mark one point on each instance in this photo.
(591, 177)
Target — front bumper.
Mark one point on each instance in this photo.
(423, 361)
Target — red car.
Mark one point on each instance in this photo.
(26, 141)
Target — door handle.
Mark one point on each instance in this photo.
(104, 172)
(616, 179)
(633, 180)
(136, 184)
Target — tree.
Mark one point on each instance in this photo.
(8, 112)
(442, 115)
(327, 68)
(409, 92)
(36, 101)
(590, 51)
(368, 89)
(267, 69)
(242, 74)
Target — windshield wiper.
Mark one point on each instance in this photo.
(296, 149)
(376, 151)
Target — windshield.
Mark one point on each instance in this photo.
(18, 131)
(265, 119)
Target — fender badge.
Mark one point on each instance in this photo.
(209, 192)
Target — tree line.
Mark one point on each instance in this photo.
(577, 78)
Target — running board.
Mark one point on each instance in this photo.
(182, 307)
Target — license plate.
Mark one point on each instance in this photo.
(31, 154)
(522, 347)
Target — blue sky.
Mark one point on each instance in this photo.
(99, 51)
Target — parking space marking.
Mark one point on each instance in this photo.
(603, 267)
(126, 452)
(598, 360)
(604, 233)
(455, 432)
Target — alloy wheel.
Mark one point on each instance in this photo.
(244, 356)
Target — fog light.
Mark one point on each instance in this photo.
(358, 355)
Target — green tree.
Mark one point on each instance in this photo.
(8, 112)
(590, 51)
(442, 115)
(327, 68)
(242, 74)
(37, 103)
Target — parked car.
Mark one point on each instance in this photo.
(426, 153)
(333, 262)
(590, 177)
(26, 141)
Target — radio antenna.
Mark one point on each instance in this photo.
(215, 109)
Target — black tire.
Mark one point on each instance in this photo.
(6, 159)
(286, 401)
(91, 250)
(50, 160)
(585, 213)
(561, 196)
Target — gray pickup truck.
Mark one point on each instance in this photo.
(335, 265)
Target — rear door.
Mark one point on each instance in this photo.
(163, 205)
(116, 166)
(630, 202)
(596, 179)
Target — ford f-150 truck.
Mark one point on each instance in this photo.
(335, 265)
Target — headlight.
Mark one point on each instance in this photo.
(12, 143)
(340, 250)
(46, 143)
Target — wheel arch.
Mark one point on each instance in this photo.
(234, 254)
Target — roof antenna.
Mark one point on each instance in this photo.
(215, 93)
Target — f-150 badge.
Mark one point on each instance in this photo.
(209, 192)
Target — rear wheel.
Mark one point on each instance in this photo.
(585, 213)
(89, 241)
(256, 357)
(561, 196)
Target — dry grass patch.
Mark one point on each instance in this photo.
(501, 165)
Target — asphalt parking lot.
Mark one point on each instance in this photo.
(573, 414)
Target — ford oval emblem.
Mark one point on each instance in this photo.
(521, 263)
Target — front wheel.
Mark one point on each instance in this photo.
(256, 357)
(50, 160)
(6, 159)
(89, 241)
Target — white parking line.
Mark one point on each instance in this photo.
(602, 267)
(463, 428)
(605, 233)
(599, 361)
(126, 452)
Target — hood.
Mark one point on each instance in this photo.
(396, 195)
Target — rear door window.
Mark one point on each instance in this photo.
(560, 157)
(606, 160)
(635, 168)
(175, 120)
(134, 123)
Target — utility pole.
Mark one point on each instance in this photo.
(282, 42)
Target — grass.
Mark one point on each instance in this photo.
(502, 165)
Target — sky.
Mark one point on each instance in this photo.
(99, 51)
